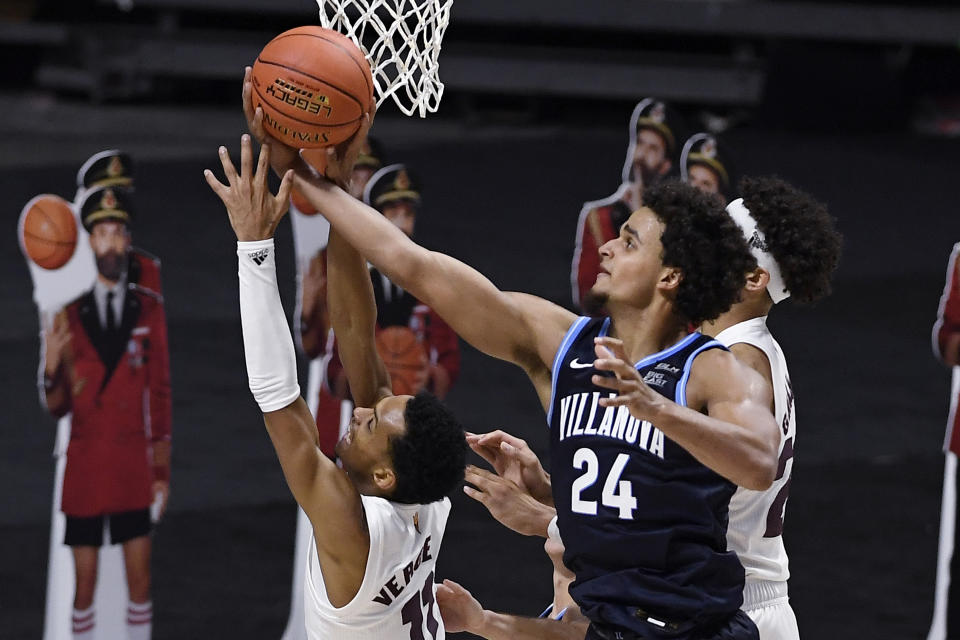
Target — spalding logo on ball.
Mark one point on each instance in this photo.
(314, 86)
(48, 231)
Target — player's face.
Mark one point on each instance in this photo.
(358, 181)
(365, 449)
(402, 214)
(631, 264)
(704, 179)
(649, 157)
(110, 242)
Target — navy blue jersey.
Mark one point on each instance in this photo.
(643, 522)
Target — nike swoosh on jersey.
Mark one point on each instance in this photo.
(576, 364)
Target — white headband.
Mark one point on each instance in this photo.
(758, 247)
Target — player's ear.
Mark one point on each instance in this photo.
(385, 479)
(670, 278)
(666, 166)
(757, 280)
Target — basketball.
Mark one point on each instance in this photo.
(48, 231)
(314, 86)
(405, 358)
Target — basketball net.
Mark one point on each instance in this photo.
(401, 40)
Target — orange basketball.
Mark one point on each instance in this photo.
(314, 85)
(48, 231)
(405, 358)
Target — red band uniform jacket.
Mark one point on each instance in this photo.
(120, 398)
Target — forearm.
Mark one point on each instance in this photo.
(268, 347)
(745, 455)
(502, 626)
(353, 316)
(372, 235)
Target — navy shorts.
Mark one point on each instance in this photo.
(739, 626)
(124, 526)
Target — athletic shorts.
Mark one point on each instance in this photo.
(737, 627)
(124, 526)
(768, 606)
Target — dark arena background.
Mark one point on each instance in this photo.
(857, 102)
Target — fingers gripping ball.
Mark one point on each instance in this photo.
(48, 231)
(314, 86)
(404, 357)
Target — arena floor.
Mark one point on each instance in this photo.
(863, 516)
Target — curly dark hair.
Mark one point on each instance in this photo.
(800, 234)
(429, 459)
(701, 240)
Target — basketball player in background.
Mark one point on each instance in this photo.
(797, 249)
(946, 348)
(686, 404)
(378, 521)
(651, 153)
(106, 362)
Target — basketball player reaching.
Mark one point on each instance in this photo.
(378, 522)
(797, 249)
(637, 406)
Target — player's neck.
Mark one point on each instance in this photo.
(648, 330)
(747, 309)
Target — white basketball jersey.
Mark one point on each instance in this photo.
(756, 517)
(397, 599)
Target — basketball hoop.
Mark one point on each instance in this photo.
(401, 40)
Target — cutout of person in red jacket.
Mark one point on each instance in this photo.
(106, 360)
(651, 154)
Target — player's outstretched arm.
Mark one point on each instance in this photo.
(353, 316)
(515, 327)
(323, 490)
(737, 435)
(519, 328)
(462, 612)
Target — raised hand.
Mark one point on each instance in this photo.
(509, 504)
(513, 460)
(254, 211)
(632, 392)
(283, 156)
(458, 608)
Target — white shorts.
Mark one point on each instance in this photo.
(768, 606)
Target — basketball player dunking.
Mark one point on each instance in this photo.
(378, 522)
(636, 405)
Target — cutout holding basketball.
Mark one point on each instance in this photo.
(405, 358)
(48, 231)
(314, 86)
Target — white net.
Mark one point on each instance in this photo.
(401, 39)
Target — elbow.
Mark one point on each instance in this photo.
(761, 471)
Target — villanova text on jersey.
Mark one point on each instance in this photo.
(643, 522)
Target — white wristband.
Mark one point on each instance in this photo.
(271, 362)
